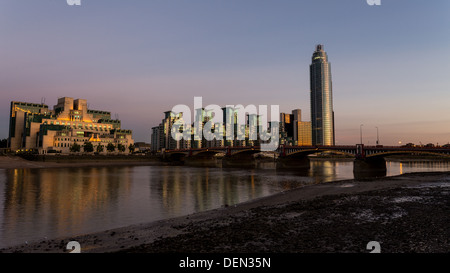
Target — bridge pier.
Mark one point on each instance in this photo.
(175, 159)
(201, 160)
(293, 163)
(369, 167)
(244, 160)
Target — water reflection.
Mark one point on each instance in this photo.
(50, 203)
(38, 203)
(397, 168)
(195, 189)
(324, 169)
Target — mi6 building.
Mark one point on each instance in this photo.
(34, 127)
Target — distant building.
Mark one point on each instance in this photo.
(286, 129)
(157, 137)
(303, 133)
(34, 127)
(322, 114)
(294, 131)
(162, 138)
(142, 147)
(302, 129)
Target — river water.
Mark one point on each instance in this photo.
(36, 204)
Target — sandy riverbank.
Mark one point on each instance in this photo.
(407, 213)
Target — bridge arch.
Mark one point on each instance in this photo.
(176, 156)
(303, 153)
(245, 152)
(205, 153)
(389, 153)
(240, 158)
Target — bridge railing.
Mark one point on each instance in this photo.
(320, 147)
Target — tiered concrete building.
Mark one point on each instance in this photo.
(34, 127)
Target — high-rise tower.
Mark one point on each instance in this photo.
(322, 114)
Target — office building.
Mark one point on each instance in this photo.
(233, 135)
(322, 114)
(294, 131)
(35, 128)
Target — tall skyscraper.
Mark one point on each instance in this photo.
(322, 114)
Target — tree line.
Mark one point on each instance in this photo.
(88, 147)
(4, 143)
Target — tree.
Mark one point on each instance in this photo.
(110, 147)
(4, 143)
(100, 148)
(131, 148)
(121, 147)
(88, 147)
(75, 148)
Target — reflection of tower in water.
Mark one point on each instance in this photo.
(323, 170)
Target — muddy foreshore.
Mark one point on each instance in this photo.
(406, 213)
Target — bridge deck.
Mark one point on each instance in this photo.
(354, 150)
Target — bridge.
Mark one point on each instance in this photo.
(367, 158)
(234, 156)
(359, 151)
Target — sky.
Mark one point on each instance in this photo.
(390, 63)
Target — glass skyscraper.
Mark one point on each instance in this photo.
(322, 114)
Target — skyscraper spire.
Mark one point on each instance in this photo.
(322, 114)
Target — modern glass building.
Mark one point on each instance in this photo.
(322, 114)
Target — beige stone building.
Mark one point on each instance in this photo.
(34, 127)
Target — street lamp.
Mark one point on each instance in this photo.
(377, 136)
(360, 132)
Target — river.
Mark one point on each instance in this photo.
(36, 204)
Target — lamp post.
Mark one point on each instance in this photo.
(360, 132)
(377, 136)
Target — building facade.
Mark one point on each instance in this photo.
(286, 129)
(235, 135)
(294, 131)
(303, 133)
(322, 114)
(34, 127)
